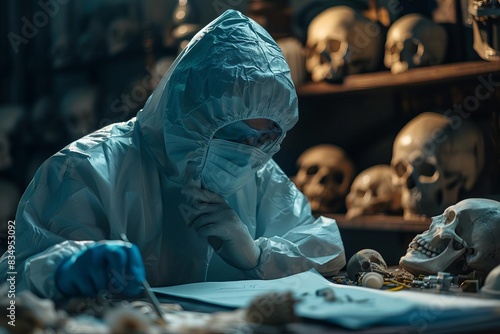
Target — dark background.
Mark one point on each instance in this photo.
(51, 51)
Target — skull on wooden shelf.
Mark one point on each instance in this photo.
(464, 238)
(78, 109)
(62, 51)
(414, 41)
(484, 17)
(122, 32)
(435, 159)
(373, 191)
(341, 41)
(324, 176)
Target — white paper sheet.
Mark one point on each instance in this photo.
(354, 307)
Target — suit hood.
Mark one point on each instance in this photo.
(230, 71)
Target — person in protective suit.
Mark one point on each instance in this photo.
(190, 182)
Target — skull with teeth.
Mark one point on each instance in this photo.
(464, 238)
(324, 176)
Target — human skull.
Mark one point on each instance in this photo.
(485, 23)
(91, 43)
(414, 41)
(363, 261)
(324, 176)
(44, 121)
(62, 51)
(373, 191)
(464, 238)
(434, 159)
(122, 32)
(341, 41)
(78, 109)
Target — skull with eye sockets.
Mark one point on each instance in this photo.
(464, 238)
(341, 41)
(363, 261)
(414, 41)
(122, 34)
(79, 111)
(373, 191)
(434, 159)
(324, 176)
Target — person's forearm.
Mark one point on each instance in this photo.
(39, 270)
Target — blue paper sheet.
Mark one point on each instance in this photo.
(354, 307)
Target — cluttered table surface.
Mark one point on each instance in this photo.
(302, 303)
(434, 303)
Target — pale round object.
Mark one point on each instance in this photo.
(372, 280)
(491, 287)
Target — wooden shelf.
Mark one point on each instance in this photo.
(380, 223)
(418, 76)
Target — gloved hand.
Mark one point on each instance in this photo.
(212, 218)
(114, 265)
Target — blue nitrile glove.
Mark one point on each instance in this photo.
(115, 266)
(212, 218)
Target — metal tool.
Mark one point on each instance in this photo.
(149, 292)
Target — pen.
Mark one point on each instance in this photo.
(149, 292)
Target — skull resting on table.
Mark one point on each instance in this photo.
(435, 159)
(464, 238)
(373, 191)
(414, 41)
(324, 176)
(363, 261)
(341, 41)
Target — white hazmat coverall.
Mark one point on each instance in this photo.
(129, 177)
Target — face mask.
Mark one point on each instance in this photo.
(229, 166)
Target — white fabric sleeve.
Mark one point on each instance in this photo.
(40, 269)
(317, 245)
(291, 239)
(57, 217)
